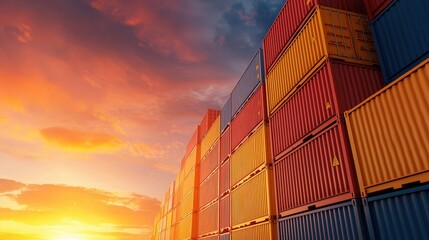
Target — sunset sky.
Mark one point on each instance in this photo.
(98, 99)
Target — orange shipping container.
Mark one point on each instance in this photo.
(191, 161)
(328, 32)
(209, 163)
(253, 201)
(208, 220)
(211, 137)
(251, 155)
(389, 133)
(189, 204)
(191, 181)
(263, 231)
(188, 227)
(209, 190)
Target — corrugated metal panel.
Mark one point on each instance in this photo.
(252, 113)
(263, 231)
(189, 203)
(225, 174)
(401, 37)
(175, 215)
(328, 32)
(333, 89)
(193, 141)
(319, 172)
(389, 133)
(251, 78)
(209, 163)
(208, 220)
(190, 161)
(225, 144)
(176, 233)
(251, 155)
(399, 215)
(224, 236)
(226, 115)
(177, 196)
(207, 122)
(213, 237)
(188, 230)
(225, 213)
(289, 20)
(209, 190)
(169, 220)
(211, 137)
(190, 181)
(375, 7)
(251, 201)
(340, 221)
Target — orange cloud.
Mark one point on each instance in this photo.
(71, 139)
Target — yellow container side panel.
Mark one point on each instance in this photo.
(190, 161)
(263, 231)
(190, 181)
(188, 204)
(389, 133)
(211, 137)
(188, 227)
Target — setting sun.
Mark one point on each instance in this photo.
(68, 238)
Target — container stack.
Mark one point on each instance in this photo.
(326, 65)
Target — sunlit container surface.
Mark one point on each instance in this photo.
(318, 173)
(207, 122)
(208, 220)
(190, 181)
(212, 237)
(334, 88)
(252, 77)
(225, 213)
(224, 181)
(175, 215)
(209, 189)
(389, 133)
(251, 201)
(226, 114)
(290, 18)
(209, 163)
(190, 161)
(193, 141)
(374, 7)
(401, 36)
(252, 114)
(211, 137)
(188, 230)
(224, 236)
(399, 215)
(189, 204)
(328, 32)
(263, 231)
(251, 155)
(225, 144)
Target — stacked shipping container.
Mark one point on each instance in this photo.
(290, 136)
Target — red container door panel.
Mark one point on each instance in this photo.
(224, 213)
(225, 144)
(334, 88)
(249, 117)
(224, 181)
(209, 163)
(374, 7)
(318, 173)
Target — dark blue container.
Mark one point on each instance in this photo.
(399, 215)
(224, 236)
(401, 37)
(225, 115)
(340, 221)
(249, 81)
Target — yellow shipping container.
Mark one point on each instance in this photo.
(191, 181)
(253, 201)
(251, 155)
(189, 204)
(389, 133)
(188, 227)
(262, 231)
(191, 160)
(211, 137)
(328, 32)
(176, 233)
(169, 219)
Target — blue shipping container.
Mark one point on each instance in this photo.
(340, 221)
(401, 37)
(224, 236)
(399, 215)
(225, 115)
(249, 81)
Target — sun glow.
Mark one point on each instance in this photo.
(67, 238)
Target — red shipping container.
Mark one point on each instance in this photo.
(318, 173)
(209, 190)
(333, 89)
(193, 141)
(224, 214)
(249, 117)
(289, 21)
(375, 7)
(225, 144)
(224, 181)
(208, 220)
(207, 122)
(209, 163)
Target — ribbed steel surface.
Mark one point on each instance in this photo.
(190, 162)
(208, 219)
(340, 221)
(399, 215)
(389, 133)
(207, 122)
(190, 181)
(253, 153)
(209, 163)
(402, 37)
(224, 236)
(189, 203)
(225, 212)
(252, 114)
(212, 136)
(226, 114)
(374, 7)
(290, 18)
(188, 230)
(225, 144)
(318, 173)
(192, 142)
(328, 32)
(209, 189)
(212, 237)
(263, 231)
(252, 77)
(225, 175)
(334, 88)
